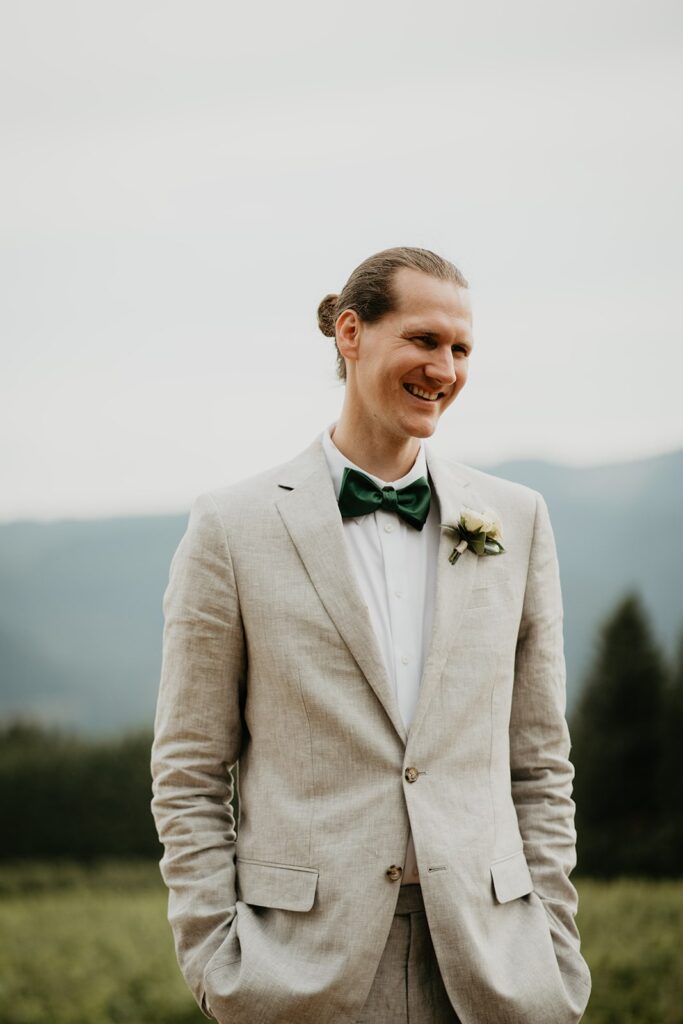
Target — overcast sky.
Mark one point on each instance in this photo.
(183, 182)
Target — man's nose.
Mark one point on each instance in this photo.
(440, 367)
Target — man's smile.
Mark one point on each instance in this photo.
(425, 396)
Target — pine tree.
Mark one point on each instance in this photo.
(671, 771)
(616, 749)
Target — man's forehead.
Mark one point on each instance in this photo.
(435, 317)
(418, 294)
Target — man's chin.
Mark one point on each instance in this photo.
(419, 428)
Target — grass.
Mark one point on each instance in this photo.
(91, 945)
(632, 937)
(94, 947)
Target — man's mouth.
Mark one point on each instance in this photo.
(426, 396)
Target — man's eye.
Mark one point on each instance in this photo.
(433, 343)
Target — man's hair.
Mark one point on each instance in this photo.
(369, 289)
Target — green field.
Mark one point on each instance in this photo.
(92, 946)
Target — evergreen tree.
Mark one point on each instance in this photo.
(616, 749)
(62, 795)
(671, 773)
(65, 795)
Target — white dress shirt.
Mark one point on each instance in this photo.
(395, 565)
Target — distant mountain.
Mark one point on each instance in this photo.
(80, 601)
(81, 619)
(616, 528)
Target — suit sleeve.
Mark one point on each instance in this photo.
(197, 737)
(541, 772)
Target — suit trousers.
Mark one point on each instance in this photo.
(408, 987)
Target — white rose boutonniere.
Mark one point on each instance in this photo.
(481, 532)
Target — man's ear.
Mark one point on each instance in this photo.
(348, 329)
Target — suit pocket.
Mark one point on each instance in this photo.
(282, 886)
(493, 594)
(511, 877)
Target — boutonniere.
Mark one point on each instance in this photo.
(481, 532)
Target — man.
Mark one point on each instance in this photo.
(393, 695)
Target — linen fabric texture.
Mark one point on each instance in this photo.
(270, 661)
(408, 988)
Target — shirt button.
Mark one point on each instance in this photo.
(388, 528)
(398, 593)
(405, 659)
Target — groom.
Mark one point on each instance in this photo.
(393, 697)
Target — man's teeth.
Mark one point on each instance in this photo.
(414, 390)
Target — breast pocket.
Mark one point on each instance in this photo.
(269, 884)
(496, 593)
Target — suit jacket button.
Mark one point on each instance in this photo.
(394, 872)
(411, 774)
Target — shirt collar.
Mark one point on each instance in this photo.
(337, 463)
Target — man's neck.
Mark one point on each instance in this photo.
(386, 458)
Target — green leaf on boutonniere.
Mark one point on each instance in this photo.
(493, 547)
(478, 544)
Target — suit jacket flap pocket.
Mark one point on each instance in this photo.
(283, 886)
(511, 877)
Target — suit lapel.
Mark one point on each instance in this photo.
(453, 582)
(309, 510)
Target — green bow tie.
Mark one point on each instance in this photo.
(360, 495)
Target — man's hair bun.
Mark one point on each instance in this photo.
(327, 315)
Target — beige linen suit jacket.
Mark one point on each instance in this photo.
(270, 660)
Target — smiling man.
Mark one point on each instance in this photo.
(403, 370)
(393, 698)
